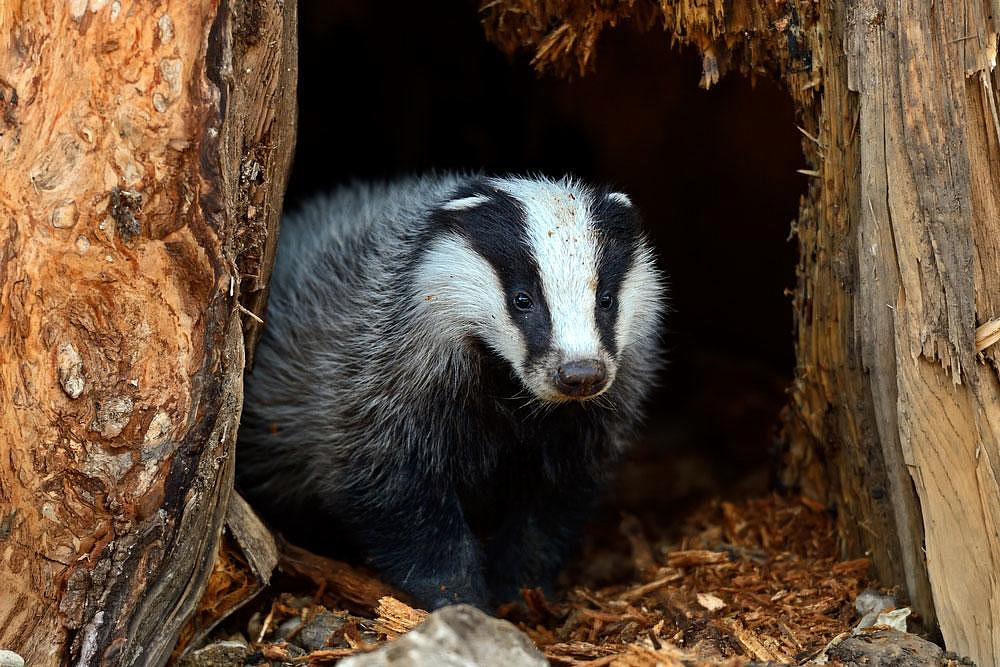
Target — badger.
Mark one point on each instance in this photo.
(449, 368)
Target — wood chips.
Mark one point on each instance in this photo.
(756, 581)
(759, 581)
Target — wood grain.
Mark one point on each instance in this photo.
(926, 274)
(121, 349)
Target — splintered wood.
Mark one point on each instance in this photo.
(396, 618)
(758, 581)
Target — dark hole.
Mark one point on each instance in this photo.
(714, 172)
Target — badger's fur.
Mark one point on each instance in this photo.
(449, 366)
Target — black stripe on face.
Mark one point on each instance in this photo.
(497, 230)
(618, 228)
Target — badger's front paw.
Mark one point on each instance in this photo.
(434, 592)
(438, 562)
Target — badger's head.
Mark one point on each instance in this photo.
(553, 276)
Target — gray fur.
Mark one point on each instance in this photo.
(356, 383)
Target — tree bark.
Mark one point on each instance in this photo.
(928, 258)
(895, 411)
(135, 138)
(919, 273)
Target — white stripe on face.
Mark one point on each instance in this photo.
(640, 300)
(565, 247)
(464, 292)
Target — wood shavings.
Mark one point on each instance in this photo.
(710, 602)
(396, 618)
(757, 581)
(754, 581)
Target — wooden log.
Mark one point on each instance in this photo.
(929, 274)
(124, 214)
(839, 450)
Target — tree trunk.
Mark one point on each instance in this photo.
(895, 410)
(922, 251)
(144, 150)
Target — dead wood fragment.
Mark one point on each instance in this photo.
(696, 557)
(255, 540)
(646, 589)
(277, 651)
(231, 584)
(334, 578)
(325, 656)
(987, 335)
(710, 602)
(573, 651)
(396, 618)
(760, 647)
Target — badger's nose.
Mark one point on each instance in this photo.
(581, 378)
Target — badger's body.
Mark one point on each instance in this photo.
(449, 366)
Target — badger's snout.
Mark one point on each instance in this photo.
(581, 378)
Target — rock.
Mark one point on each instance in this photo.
(317, 631)
(878, 609)
(287, 628)
(10, 659)
(455, 636)
(218, 654)
(890, 648)
(870, 600)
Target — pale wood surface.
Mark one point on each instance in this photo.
(908, 232)
(929, 276)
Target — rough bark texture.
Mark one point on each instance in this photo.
(259, 67)
(121, 348)
(895, 411)
(929, 274)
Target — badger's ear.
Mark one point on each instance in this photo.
(615, 212)
(465, 203)
(619, 198)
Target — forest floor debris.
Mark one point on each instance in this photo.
(751, 582)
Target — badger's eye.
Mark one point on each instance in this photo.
(522, 301)
(605, 301)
